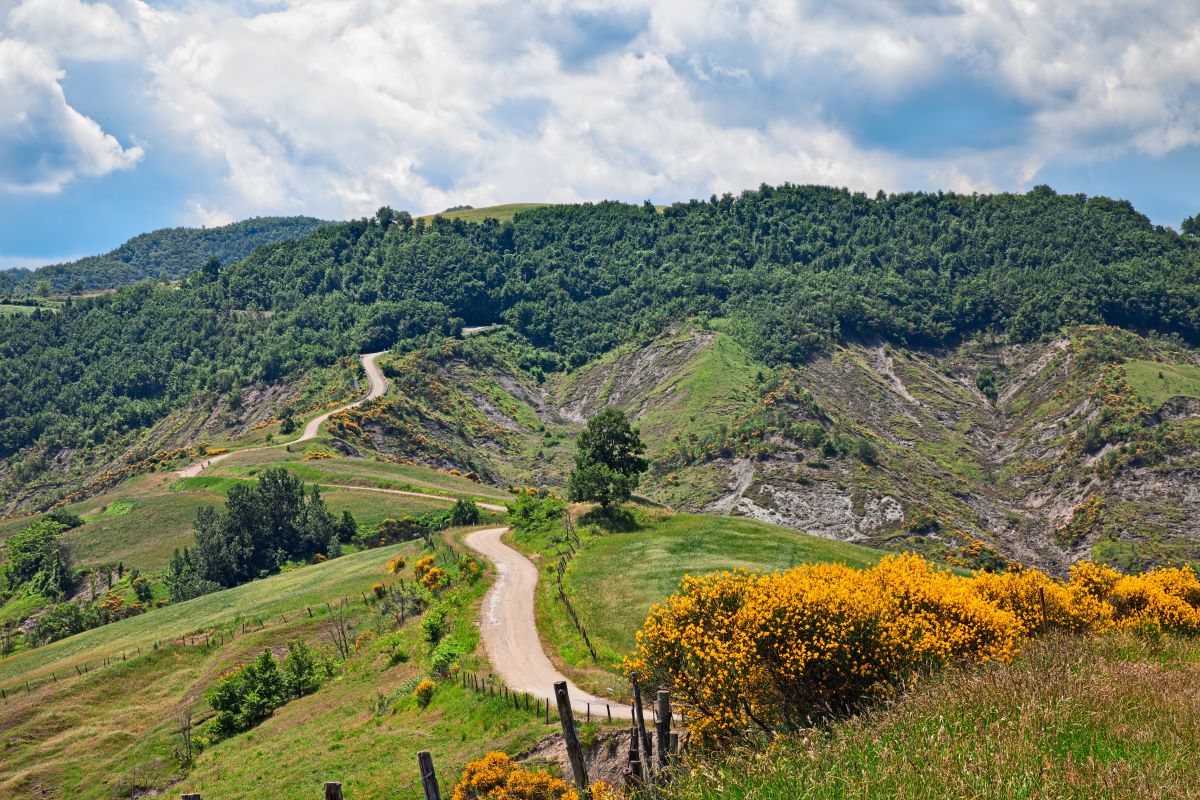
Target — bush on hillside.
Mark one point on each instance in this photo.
(775, 652)
(247, 695)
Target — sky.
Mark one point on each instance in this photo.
(122, 116)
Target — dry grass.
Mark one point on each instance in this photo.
(1107, 717)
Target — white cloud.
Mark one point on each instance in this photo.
(336, 106)
(73, 29)
(44, 142)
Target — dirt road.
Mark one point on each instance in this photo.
(378, 386)
(510, 633)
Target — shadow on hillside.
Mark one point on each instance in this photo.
(614, 520)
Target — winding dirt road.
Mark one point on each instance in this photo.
(509, 631)
(506, 621)
(378, 386)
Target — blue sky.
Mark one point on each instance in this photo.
(120, 116)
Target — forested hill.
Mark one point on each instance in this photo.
(167, 253)
(793, 268)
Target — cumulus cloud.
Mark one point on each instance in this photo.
(44, 142)
(73, 29)
(335, 106)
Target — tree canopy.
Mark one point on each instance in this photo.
(608, 462)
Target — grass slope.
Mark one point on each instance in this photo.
(1155, 383)
(503, 213)
(110, 732)
(1076, 718)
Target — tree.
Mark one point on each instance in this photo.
(38, 560)
(465, 512)
(1191, 226)
(211, 269)
(608, 462)
(347, 528)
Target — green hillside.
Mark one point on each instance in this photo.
(169, 253)
(123, 716)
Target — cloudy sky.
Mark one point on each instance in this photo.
(122, 116)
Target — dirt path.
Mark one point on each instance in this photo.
(509, 631)
(378, 386)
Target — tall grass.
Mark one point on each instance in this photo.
(1113, 716)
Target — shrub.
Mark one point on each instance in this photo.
(465, 512)
(496, 777)
(247, 695)
(68, 519)
(395, 565)
(445, 657)
(469, 569)
(435, 578)
(775, 651)
(433, 627)
(424, 692)
(422, 566)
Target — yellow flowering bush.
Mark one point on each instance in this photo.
(1162, 599)
(424, 692)
(773, 651)
(422, 565)
(435, 578)
(395, 565)
(496, 777)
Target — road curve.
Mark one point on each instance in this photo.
(509, 629)
(378, 386)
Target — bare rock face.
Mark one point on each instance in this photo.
(607, 759)
(627, 380)
(822, 511)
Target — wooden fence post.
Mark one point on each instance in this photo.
(639, 718)
(571, 738)
(333, 790)
(635, 762)
(664, 727)
(190, 796)
(428, 777)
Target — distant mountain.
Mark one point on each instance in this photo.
(166, 253)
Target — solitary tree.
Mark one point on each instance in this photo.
(608, 463)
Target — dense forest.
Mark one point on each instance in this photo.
(168, 253)
(792, 268)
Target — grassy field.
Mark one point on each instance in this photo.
(144, 519)
(109, 733)
(356, 472)
(617, 576)
(1155, 383)
(503, 213)
(21, 308)
(1074, 717)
